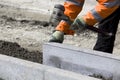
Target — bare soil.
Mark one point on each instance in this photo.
(12, 48)
(15, 50)
(13, 36)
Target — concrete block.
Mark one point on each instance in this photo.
(87, 62)
(16, 69)
(57, 74)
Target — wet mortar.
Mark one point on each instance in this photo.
(15, 50)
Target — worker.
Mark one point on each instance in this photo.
(106, 13)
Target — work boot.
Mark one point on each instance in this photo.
(57, 36)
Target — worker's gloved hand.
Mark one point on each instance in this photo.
(57, 36)
(79, 25)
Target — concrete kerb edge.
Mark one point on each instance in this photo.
(77, 60)
(46, 70)
(60, 74)
(86, 51)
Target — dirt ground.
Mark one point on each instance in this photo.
(17, 36)
(23, 38)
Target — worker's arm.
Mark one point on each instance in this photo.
(103, 9)
(72, 9)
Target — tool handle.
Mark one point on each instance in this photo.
(99, 31)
